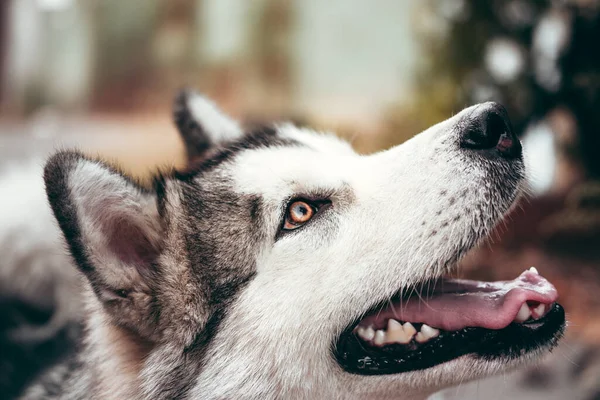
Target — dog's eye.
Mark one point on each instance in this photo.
(298, 213)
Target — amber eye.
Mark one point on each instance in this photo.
(298, 213)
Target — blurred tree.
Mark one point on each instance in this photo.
(538, 58)
(123, 67)
(3, 42)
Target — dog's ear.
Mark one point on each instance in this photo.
(113, 229)
(201, 124)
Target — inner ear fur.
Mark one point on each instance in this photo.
(114, 231)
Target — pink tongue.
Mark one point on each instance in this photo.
(456, 304)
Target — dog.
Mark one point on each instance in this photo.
(283, 265)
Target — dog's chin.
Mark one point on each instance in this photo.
(499, 323)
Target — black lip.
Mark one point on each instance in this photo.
(512, 342)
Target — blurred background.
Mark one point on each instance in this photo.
(102, 75)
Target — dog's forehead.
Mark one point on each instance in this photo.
(323, 142)
(314, 162)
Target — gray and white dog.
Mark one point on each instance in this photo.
(286, 266)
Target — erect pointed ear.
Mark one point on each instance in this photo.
(201, 124)
(113, 229)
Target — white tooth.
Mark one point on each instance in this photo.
(534, 270)
(379, 337)
(397, 337)
(393, 325)
(539, 311)
(429, 332)
(421, 338)
(409, 329)
(366, 334)
(523, 314)
(396, 334)
(359, 330)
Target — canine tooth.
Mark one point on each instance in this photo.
(524, 313)
(539, 311)
(379, 337)
(534, 270)
(409, 329)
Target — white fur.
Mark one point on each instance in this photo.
(214, 123)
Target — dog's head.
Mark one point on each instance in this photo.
(283, 264)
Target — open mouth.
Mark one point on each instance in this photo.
(448, 318)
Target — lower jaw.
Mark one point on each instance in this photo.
(512, 342)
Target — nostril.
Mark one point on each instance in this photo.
(488, 128)
(484, 132)
(496, 126)
(476, 138)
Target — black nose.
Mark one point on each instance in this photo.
(488, 128)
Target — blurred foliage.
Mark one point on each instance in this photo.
(538, 58)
